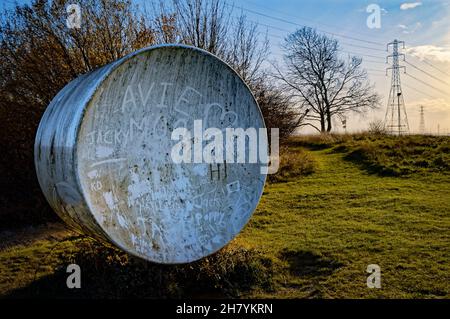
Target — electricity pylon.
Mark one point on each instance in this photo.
(396, 120)
(422, 121)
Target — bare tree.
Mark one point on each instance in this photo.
(277, 109)
(39, 54)
(377, 127)
(321, 82)
(215, 26)
(247, 50)
(204, 24)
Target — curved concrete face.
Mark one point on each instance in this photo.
(123, 185)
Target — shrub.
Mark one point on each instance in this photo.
(377, 128)
(294, 163)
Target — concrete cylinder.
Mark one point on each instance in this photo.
(104, 154)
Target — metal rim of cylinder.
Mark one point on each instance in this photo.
(96, 229)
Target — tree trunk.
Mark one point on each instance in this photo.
(328, 122)
(322, 123)
(329, 125)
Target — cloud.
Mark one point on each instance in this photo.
(410, 29)
(436, 53)
(410, 5)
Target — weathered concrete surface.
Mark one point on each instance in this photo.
(103, 148)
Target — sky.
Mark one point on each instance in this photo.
(424, 26)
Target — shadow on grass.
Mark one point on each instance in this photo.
(366, 159)
(307, 264)
(313, 146)
(360, 158)
(110, 273)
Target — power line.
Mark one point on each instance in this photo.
(345, 51)
(344, 43)
(367, 55)
(270, 26)
(298, 17)
(354, 53)
(343, 36)
(419, 91)
(290, 31)
(425, 72)
(425, 83)
(374, 70)
(363, 47)
(302, 25)
(377, 62)
(429, 63)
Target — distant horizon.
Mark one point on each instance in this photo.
(423, 25)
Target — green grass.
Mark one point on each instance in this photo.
(294, 163)
(388, 155)
(343, 218)
(39, 270)
(311, 237)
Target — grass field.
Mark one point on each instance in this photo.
(312, 235)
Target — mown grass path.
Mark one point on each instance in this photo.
(323, 230)
(320, 232)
